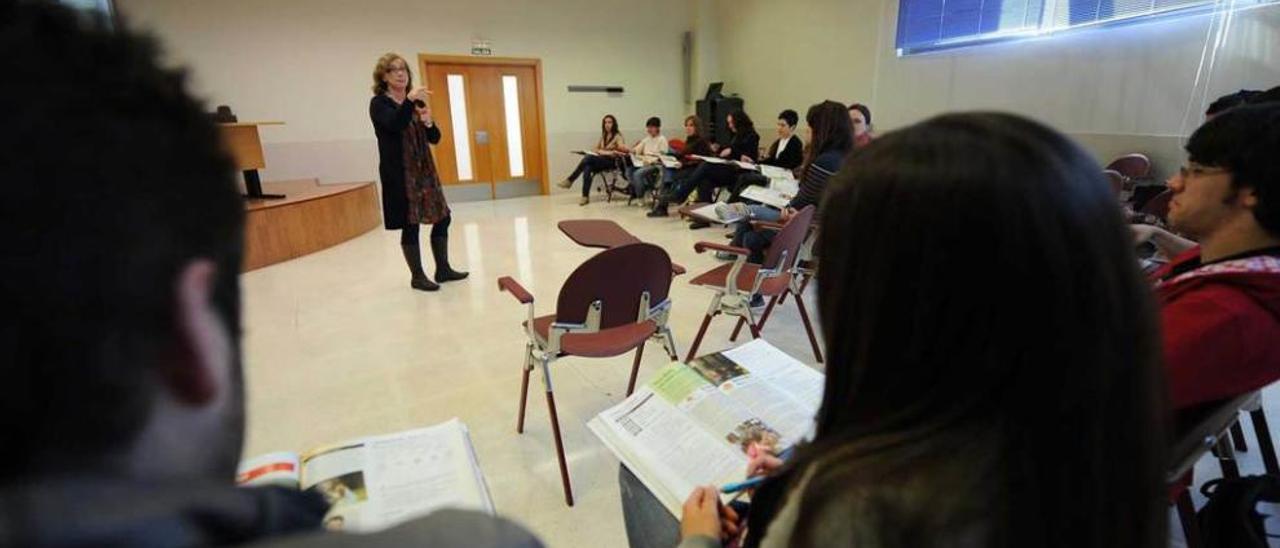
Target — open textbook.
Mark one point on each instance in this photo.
(375, 482)
(691, 424)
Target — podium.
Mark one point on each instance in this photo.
(245, 147)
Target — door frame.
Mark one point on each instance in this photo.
(426, 59)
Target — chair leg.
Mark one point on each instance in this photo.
(768, 310)
(555, 430)
(1237, 437)
(737, 328)
(693, 350)
(635, 369)
(1187, 515)
(669, 344)
(1265, 445)
(1227, 459)
(524, 389)
(808, 327)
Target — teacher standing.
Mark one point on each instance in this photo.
(411, 192)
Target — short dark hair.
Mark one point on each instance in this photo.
(790, 117)
(1244, 141)
(115, 179)
(946, 363)
(1270, 96)
(1230, 101)
(866, 112)
(653, 121)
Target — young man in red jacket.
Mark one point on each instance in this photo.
(1220, 299)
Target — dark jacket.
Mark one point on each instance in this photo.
(788, 158)
(745, 143)
(102, 511)
(389, 122)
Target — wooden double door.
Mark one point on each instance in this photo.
(490, 114)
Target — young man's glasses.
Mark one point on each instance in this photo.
(1191, 172)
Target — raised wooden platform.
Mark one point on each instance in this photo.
(312, 217)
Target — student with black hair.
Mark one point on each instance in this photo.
(123, 417)
(787, 152)
(1220, 294)
(648, 149)
(1229, 101)
(970, 399)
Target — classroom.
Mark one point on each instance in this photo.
(696, 273)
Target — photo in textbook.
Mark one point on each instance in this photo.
(692, 423)
(379, 481)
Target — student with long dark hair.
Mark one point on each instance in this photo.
(994, 374)
(607, 149)
(830, 140)
(744, 145)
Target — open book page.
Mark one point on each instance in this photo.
(661, 433)
(711, 159)
(669, 161)
(585, 152)
(775, 172)
(746, 165)
(380, 481)
(691, 425)
(280, 468)
(766, 196)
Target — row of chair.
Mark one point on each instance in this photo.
(619, 299)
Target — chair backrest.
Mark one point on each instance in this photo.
(1116, 179)
(617, 278)
(1133, 166)
(1158, 205)
(785, 247)
(676, 146)
(1198, 428)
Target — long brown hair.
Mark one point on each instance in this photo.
(832, 130)
(605, 136)
(971, 399)
(381, 69)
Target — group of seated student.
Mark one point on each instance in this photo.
(744, 145)
(787, 153)
(605, 156)
(995, 367)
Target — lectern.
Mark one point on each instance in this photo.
(245, 147)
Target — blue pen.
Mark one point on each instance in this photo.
(753, 482)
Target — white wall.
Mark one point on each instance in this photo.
(1115, 90)
(309, 63)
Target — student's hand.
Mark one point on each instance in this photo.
(761, 461)
(418, 94)
(1144, 233)
(715, 147)
(725, 153)
(701, 514)
(747, 159)
(787, 213)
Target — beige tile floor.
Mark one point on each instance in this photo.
(338, 346)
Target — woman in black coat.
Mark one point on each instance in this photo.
(411, 192)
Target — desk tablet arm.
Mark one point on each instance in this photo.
(702, 247)
(510, 285)
(766, 225)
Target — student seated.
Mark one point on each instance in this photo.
(744, 146)
(648, 149)
(610, 145)
(123, 417)
(1228, 102)
(830, 140)
(982, 387)
(1220, 298)
(787, 153)
(860, 117)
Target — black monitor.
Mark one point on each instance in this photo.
(713, 90)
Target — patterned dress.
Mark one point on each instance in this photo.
(421, 182)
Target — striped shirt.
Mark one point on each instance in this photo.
(815, 178)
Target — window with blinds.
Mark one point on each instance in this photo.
(932, 25)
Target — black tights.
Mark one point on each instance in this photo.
(409, 234)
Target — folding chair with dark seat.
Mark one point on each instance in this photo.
(1132, 166)
(610, 305)
(735, 283)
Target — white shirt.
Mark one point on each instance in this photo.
(651, 146)
(782, 145)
